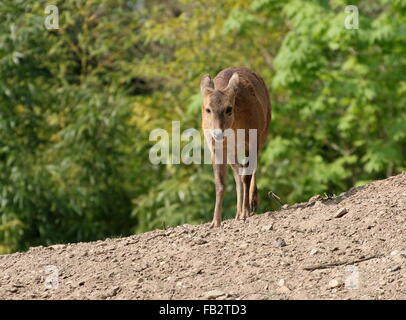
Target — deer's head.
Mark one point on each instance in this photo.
(218, 105)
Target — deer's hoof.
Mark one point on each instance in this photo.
(245, 215)
(215, 224)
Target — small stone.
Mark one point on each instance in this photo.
(269, 227)
(395, 268)
(279, 243)
(394, 253)
(200, 241)
(35, 248)
(314, 251)
(283, 289)
(17, 285)
(285, 206)
(58, 246)
(397, 256)
(340, 213)
(269, 213)
(315, 198)
(213, 294)
(198, 271)
(244, 245)
(334, 284)
(281, 282)
(112, 292)
(109, 293)
(12, 290)
(318, 204)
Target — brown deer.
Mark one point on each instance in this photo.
(237, 98)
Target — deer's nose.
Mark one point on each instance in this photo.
(217, 134)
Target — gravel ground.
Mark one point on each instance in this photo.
(347, 247)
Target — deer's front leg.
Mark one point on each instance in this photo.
(220, 175)
(238, 188)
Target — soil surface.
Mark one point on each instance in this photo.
(348, 247)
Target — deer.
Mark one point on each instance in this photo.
(237, 98)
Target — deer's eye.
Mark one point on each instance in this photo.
(208, 110)
(229, 110)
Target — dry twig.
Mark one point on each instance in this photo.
(339, 263)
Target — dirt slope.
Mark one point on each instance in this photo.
(300, 252)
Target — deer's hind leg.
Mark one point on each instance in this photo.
(246, 181)
(253, 195)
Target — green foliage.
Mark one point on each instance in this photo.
(64, 130)
(77, 106)
(343, 93)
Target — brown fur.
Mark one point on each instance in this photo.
(247, 96)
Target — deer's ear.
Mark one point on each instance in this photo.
(233, 83)
(206, 85)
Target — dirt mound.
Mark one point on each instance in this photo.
(348, 247)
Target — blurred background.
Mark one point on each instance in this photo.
(77, 105)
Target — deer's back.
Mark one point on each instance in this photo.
(252, 104)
